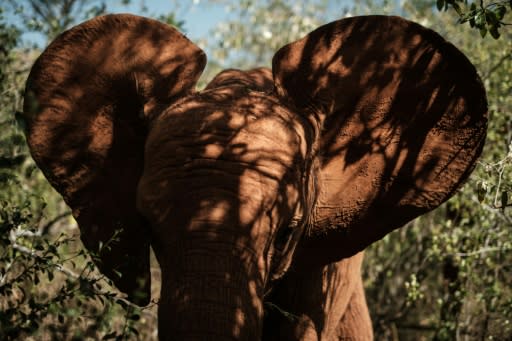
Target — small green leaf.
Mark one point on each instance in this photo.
(287, 315)
(491, 18)
(20, 120)
(483, 31)
(440, 4)
(504, 199)
(122, 303)
(457, 9)
(481, 191)
(494, 31)
(480, 19)
(500, 12)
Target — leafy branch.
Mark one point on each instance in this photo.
(482, 15)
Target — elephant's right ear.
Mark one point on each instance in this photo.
(88, 102)
(399, 116)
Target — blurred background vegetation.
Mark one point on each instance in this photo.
(446, 276)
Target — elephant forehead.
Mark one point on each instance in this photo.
(224, 158)
(247, 146)
(229, 123)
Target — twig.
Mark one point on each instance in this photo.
(15, 234)
(45, 228)
(497, 65)
(481, 251)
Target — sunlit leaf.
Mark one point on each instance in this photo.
(481, 191)
(483, 31)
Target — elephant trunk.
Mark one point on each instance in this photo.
(210, 290)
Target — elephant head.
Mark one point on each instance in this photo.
(361, 126)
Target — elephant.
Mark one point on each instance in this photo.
(260, 192)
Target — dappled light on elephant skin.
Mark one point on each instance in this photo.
(402, 112)
(265, 185)
(231, 182)
(300, 292)
(83, 105)
(256, 79)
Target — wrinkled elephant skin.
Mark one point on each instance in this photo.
(258, 193)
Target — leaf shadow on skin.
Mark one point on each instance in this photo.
(404, 119)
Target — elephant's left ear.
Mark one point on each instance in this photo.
(400, 119)
(89, 100)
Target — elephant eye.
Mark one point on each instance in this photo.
(284, 234)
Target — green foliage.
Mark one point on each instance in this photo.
(51, 17)
(49, 288)
(170, 19)
(486, 16)
(46, 290)
(447, 275)
(255, 30)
